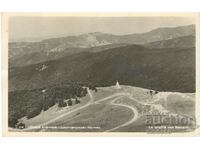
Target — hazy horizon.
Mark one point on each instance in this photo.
(38, 28)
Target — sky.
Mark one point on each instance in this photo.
(37, 28)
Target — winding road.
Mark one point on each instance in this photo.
(134, 118)
(115, 96)
(91, 101)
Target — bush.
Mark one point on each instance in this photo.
(92, 87)
(69, 102)
(77, 101)
(95, 89)
(61, 103)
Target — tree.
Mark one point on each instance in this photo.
(61, 103)
(95, 89)
(77, 101)
(69, 102)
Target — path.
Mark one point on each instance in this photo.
(134, 118)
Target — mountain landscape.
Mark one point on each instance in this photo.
(55, 47)
(161, 60)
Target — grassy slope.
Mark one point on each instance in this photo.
(181, 105)
(94, 116)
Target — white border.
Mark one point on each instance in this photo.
(5, 74)
(91, 143)
(99, 6)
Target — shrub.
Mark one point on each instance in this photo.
(156, 92)
(77, 101)
(61, 103)
(69, 102)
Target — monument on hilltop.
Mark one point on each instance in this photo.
(117, 85)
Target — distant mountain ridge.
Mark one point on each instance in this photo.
(26, 53)
(98, 39)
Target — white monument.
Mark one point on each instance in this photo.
(117, 85)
